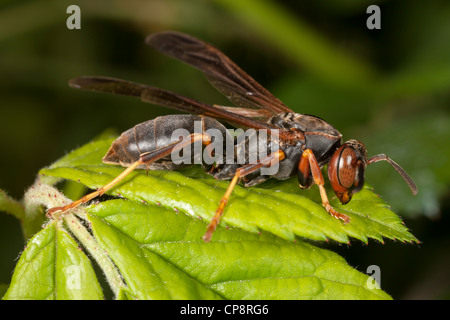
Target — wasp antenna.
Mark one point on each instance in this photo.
(396, 166)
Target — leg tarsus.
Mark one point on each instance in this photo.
(336, 214)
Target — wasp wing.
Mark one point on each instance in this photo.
(224, 74)
(165, 98)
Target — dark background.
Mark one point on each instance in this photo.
(388, 88)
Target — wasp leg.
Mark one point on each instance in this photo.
(318, 179)
(271, 159)
(303, 173)
(145, 158)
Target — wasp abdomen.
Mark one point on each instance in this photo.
(157, 133)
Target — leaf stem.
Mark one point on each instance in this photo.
(47, 195)
(100, 256)
(30, 218)
(11, 206)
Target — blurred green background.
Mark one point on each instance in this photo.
(389, 88)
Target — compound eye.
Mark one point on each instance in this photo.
(347, 169)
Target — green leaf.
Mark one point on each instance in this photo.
(277, 207)
(160, 256)
(53, 267)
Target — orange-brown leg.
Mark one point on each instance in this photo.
(318, 179)
(96, 193)
(145, 158)
(241, 172)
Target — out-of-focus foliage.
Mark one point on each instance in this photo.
(389, 88)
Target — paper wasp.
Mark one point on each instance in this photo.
(306, 143)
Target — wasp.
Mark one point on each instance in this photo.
(306, 143)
